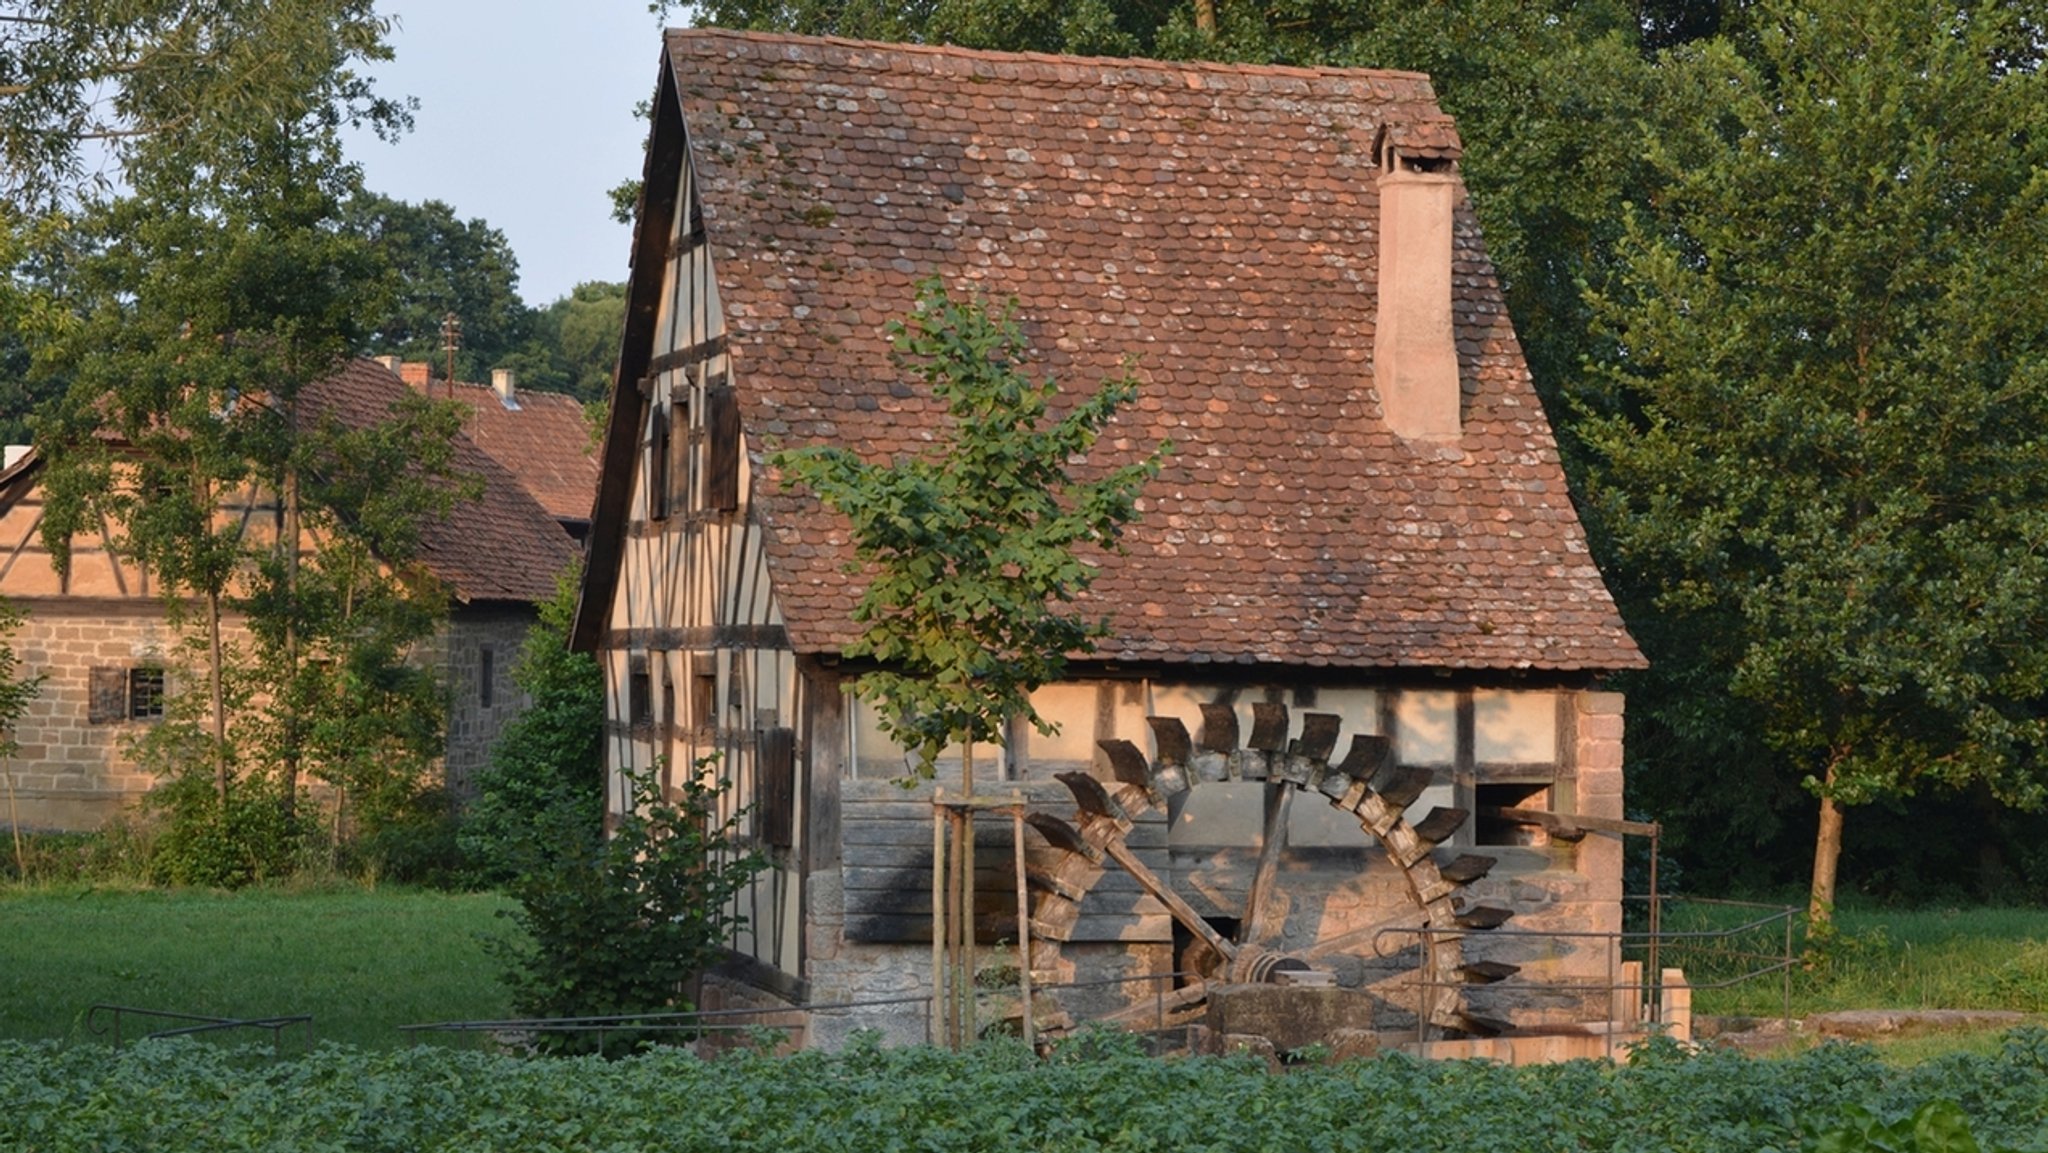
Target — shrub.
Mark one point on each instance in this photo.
(546, 771)
(617, 926)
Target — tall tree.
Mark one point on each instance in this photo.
(1823, 459)
(18, 687)
(84, 83)
(194, 309)
(442, 264)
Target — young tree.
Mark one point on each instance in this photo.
(974, 547)
(616, 925)
(1821, 460)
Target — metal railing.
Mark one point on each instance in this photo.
(1712, 957)
(1750, 942)
(201, 1023)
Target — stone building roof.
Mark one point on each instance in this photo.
(542, 439)
(502, 546)
(1213, 224)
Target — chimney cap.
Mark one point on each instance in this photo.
(1430, 144)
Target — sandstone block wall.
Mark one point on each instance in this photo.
(72, 774)
(68, 773)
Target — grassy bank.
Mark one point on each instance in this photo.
(362, 962)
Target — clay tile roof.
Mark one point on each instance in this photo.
(501, 547)
(1217, 224)
(544, 442)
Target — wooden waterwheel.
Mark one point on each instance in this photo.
(1367, 783)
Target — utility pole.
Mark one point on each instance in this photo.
(451, 341)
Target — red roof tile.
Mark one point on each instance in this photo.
(542, 439)
(501, 547)
(1214, 222)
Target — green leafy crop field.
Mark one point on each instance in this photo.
(178, 1095)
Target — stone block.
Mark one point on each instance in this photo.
(1289, 1017)
(1610, 727)
(1598, 704)
(1598, 753)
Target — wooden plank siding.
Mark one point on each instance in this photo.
(886, 867)
(693, 630)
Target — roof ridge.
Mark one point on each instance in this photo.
(1051, 60)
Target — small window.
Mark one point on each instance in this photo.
(125, 694)
(145, 694)
(679, 452)
(704, 699)
(639, 692)
(722, 448)
(486, 677)
(1492, 829)
(775, 780)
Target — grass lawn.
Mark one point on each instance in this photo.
(1972, 958)
(362, 962)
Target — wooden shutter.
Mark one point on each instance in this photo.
(109, 702)
(775, 784)
(678, 453)
(722, 466)
(657, 464)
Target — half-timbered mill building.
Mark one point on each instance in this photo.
(98, 629)
(1359, 578)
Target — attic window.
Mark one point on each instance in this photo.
(678, 481)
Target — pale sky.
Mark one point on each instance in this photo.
(525, 120)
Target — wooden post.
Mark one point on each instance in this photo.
(940, 997)
(1023, 919)
(957, 917)
(965, 850)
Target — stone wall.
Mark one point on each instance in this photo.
(74, 774)
(473, 721)
(68, 772)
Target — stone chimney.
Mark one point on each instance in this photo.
(415, 373)
(506, 386)
(390, 362)
(1415, 353)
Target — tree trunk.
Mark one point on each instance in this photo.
(1205, 17)
(1827, 853)
(288, 540)
(217, 694)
